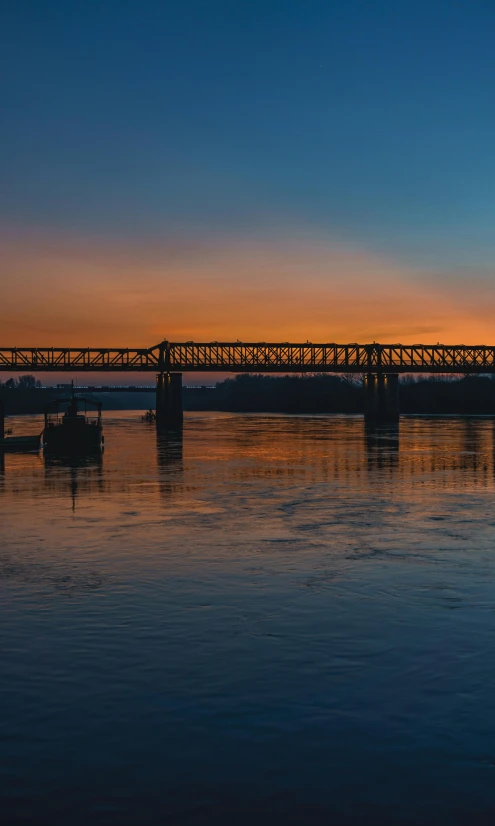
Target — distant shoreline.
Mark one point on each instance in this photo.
(472, 395)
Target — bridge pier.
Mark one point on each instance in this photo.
(169, 414)
(381, 397)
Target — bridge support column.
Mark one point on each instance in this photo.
(381, 397)
(2, 420)
(169, 414)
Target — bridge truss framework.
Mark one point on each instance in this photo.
(258, 357)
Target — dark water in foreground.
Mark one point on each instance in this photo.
(279, 621)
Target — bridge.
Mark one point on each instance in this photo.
(238, 357)
(381, 365)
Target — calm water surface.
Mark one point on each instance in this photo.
(282, 619)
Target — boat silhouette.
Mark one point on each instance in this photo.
(72, 431)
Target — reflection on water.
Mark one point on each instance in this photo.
(280, 619)
(169, 462)
(84, 473)
(382, 446)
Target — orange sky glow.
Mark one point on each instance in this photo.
(62, 291)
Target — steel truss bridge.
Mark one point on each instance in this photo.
(258, 357)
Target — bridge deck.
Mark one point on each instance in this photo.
(259, 357)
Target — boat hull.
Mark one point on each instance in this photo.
(66, 439)
(21, 443)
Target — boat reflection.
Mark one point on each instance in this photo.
(94, 459)
(77, 474)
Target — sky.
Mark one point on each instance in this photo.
(250, 169)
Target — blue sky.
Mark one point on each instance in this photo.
(259, 170)
(370, 121)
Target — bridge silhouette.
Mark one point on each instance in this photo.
(381, 365)
(239, 357)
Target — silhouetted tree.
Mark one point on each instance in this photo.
(23, 383)
(27, 382)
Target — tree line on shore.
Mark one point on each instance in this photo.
(323, 393)
(317, 393)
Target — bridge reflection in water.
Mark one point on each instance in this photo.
(231, 449)
(315, 480)
(382, 446)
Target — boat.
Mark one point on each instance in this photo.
(149, 416)
(72, 432)
(15, 443)
(21, 443)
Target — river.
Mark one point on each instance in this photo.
(277, 620)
